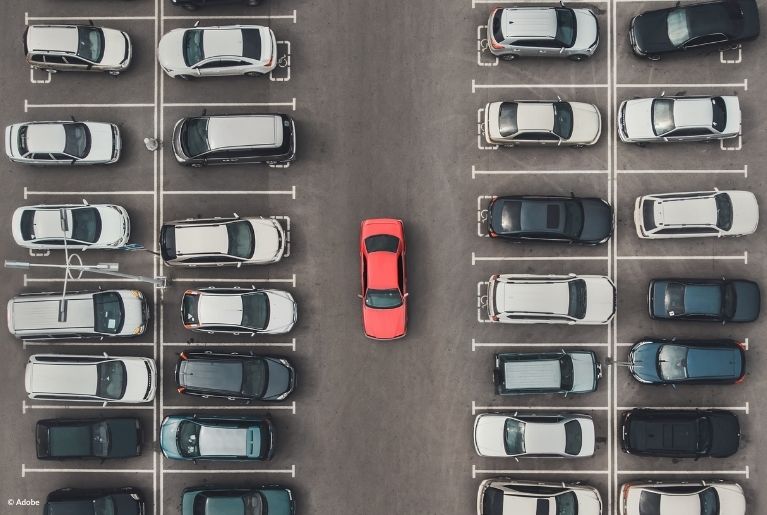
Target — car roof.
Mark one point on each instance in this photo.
(533, 297)
(535, 116)
(686, 211)
(541, 437)
(223, 441)
(245, 131)
(37, 312)
(202, 239)
(71, 378)
(212, 374)
(220, 309)
(222, 41)
(58, 38)
(535, 22)
(693, 112)
(382, 270)
(46, 137)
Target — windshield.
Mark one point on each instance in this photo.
(719, 113)
(507, 119)
(577, 290)
(90, 43)
(573, 437)
(108, 312)
(567, 504)
(674, 299)
(514, 437)
(255, 311)
(188, 439)
(662, 116)
(100, 439)
(112, 379)
(565, 27)
(566, 369)
(192, 45)
(678, 28)
(255, 377)
(383, 299)
(242, 240)
(709, 502)
(672, 362)
(573, 219)
(104, 506)
(723, 211)
(730, 301)
(382, 243)
(194, 136)
(77, 140)
(86, 224)
(563, 120)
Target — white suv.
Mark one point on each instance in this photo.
(91, 378)
(696, 214)
(550, 299)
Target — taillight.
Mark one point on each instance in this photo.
(269, 62)
(180, 389)
(742, 345)
(491, 233)
(183, 356)
(494, 318)
(495, 45)
(741, 379)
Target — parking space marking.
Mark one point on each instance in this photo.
(475, 86)
(291, 344)
(737, 257)
(291, 192)
(26, 470)
(736, 171)
(286, 220)
(40, 343)
(746, 408)
(28, 106)
(283, 63)
(39, 81)
(475, 258)
(474, 3)
(29, 193)
(291, 471)
(28, 18)
(743, 85)
(482, 215)
(481, 131)
(291, 280)
(475, 344)
(291, 104)
(84, 406)
(293, 17)
(475, 471)
(475, 172)
(739, 146)
(737, 60)
(475, 408)
(672, 472)
(482, 302)
(482, 47)
(268, 407)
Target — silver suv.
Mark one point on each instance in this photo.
(542, 32)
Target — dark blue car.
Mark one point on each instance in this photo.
(704, 300)
(261, 500)
(659, 361)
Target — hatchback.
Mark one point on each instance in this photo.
(704, 300)
(101, 438)
(540, 122)
(63, 143)
(217, 437)
(77, 48)
(260, 500)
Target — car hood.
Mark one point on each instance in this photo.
(731, 498)
(644, 360)
(651, 32)
(725, 437)
(637, 117)
(283, 312)
(584, 372)
(170, 52)
(384, 324)
(733, 115)
(588, 437)
(115, 47)
(597, 220)
(168, 442)
(588, 30)
(280, 379)
(124, 437)
(748, 302)
(745, 212)
(492, 114)
(134, 309)
(589, 502)
(270, 239)
(102, 143)
(489, 432)
(600, 300)
(587, 123)
(114, 225)
(141, 385)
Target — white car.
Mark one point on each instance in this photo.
(505, 496)
(534, 436)
(91, 378)
(678, 119)
(534, 122)
(551, 299)
(238, 311)
(83, 226)
(696, 214)
(218, 51)
(63, 143)
(708, 497)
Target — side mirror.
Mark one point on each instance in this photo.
(73, 161)
(72, 117)
(680, 93)
(90, 22)
(359, 295)
(406, 295)
(197, 23)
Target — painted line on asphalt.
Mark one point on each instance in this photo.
(29, 193)
(291, 345)
(291, 280)
(475, 344)
(291, 471)
(475, 258)
(743, 84)
(85, 406)
(482, 301)
(482, 46)
(475, 172)
(28, 106)
(482, 215)
(84, 19)
(481, 131)
(746, 408)
(56, 343)
(475, 86)
(280, 66)
(475, 471)
(569, 409)
(267, 407)
(737, 60)
(31, 280)
(291, 104)
(743, 472)
(33, 80)
(291, 192)
(737, 171)
(474, 3)
(739, 146)
(240, 17)
(26, 470)
(737, 257)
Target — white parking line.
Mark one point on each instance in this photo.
(475, 172)
(247, 407)
(482, 302)
(743, 84)
(291, 280)
(291, 104)
(474, 3)
(83, 406)
(239, 17)
(291, 471)
(569, 409)
(743, 472)
(745, 408)
(26, 470)
(737, 171)
(28, 106)
(737, 60)
(28, 193)
(286, 220)
(475, 86)
(737, 257)
(739, 146)
(480, 131)
(475, 344)
(283, 63)
(291, 344)
(30, 280)
(482, 46)
(33, 80)
(475, 258)
(28, 18)
(291, 192)
(56, 343)
(475, 471)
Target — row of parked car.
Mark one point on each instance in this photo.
(559, 31)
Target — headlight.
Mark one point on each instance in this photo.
(139, 329)
(137, 294)
(135, 497)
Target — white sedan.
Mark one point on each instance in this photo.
(83, 226)
(63, 143)
(505, 496)
(563, 436)
(710, 497)
(218, 51)
(696, 214)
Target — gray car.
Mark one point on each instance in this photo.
(542, 32)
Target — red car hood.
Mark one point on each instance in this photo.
(385, 324)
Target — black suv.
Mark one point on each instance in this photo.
(101, 438)
(704, 300)
(681, 433)
(120, 501)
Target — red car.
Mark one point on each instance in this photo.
(384, 280)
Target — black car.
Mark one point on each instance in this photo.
(587, 221)
(704, 300)
(722, 24)
(659, 361)
(681, 433)
(193, 5)
(101, 438)
(114, 501)
(234, 376)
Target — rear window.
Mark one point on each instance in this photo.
(566, 28)
(573, 437)
(255, 310)
(251, 43)
(189, 309)
(662, 116)
(511, 216)
(382, 243)
(497, 31)
(723, 211)
(720, 113)
(648, 215)
(108, 312)
(492, 502)
(577, 291)
(566, 368)
(507, 119)
(27, 224)
(649, 503)
(112, 379)
(168, 242)
(78, 140)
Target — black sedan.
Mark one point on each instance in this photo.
(721, 23)
(704, 300)
(587, 221)
(659, 361)
(234, 376)
(681, 433)
(113, 501)
(101, 438)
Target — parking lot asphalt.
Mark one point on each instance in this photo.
(386, 98)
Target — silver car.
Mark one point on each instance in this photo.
(678, 119)
(63, 143)
(682, 497)
(536, 122)
(501, 495)
(542, 32)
